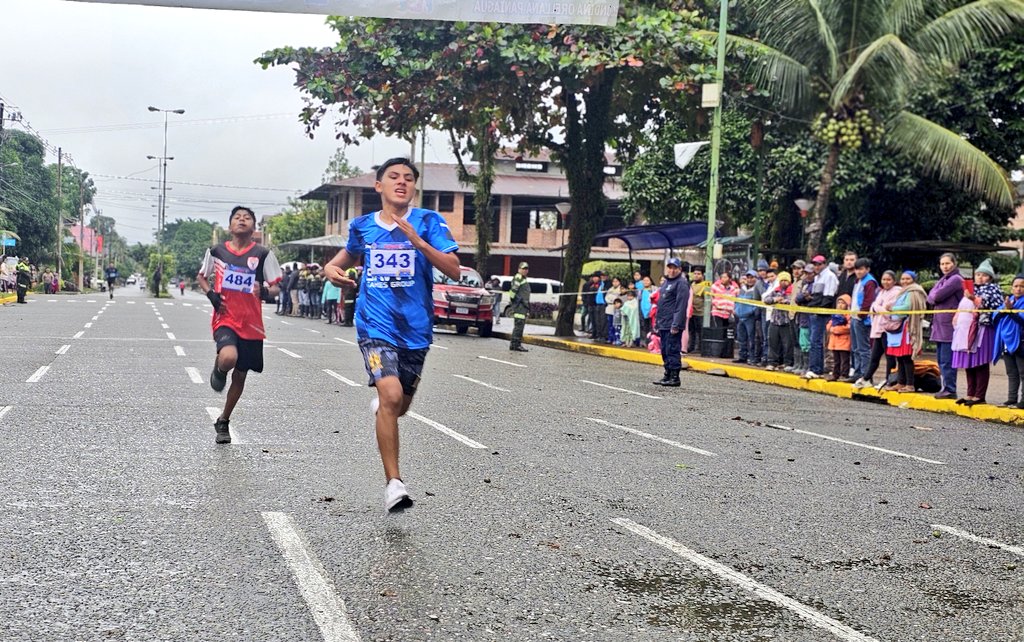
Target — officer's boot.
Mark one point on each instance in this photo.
(665, 379)
(673, 379)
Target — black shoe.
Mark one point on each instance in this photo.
(518, 349)
(673, 380)
(665, 378)
(218, 379)
(223, 433)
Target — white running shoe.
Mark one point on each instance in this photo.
(374, 405)
(395, 496)
(810, 374)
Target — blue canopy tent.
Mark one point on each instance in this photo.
(662, 236)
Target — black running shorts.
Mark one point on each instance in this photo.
(250, 351)
(385, 360)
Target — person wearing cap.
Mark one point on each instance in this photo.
(700, 287)
(780, 338)
(746, 319)
(823, 296)
(673, 298)
(974, 352)
(519, 298)
(23, 278)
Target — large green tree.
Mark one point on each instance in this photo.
(573, 90)
(300, 220)
(852, 65)
(187, 240)
(26, 194)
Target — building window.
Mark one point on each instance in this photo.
(445, 201)
(371, 201)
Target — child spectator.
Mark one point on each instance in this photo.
(746, 320)
(721, 308)
(615, 329)
(780, 337)
(653, 343)
(802, 296)
(630, 320)
(838, 330)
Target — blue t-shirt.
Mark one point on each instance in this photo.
(395, 303)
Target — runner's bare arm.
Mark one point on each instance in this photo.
(446, 262)
(335, 269)
(204, 285)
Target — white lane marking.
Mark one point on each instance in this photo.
(314, 584)
(508, 363)
(164, 326)
(63, 349)
(438, 346)
(178, 350)
(187, 305)
(351, 343)
(859, 445)
(341, 378)
(446, 430)
(37, 375)
(481, 383)
(286, 322)
(647, 435)
(48, 301)
(72, 301)
(96, 317)
(290, 353)
(4, 410)
(215, 415)
(193, 374)
(312, 330)
(165, 303)
(91, 301)
(1016, 550)
(170, 335)
(131, 303)
(818, 619)
(78, 335)
(159, 318)
(88, 325)
(632, 392)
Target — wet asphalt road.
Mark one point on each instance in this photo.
(551, 507)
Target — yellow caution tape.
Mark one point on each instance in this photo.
(830, 311)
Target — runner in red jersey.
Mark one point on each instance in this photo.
(232, 276)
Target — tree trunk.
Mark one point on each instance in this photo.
(583, 163)
(815, 227)
(485, 149)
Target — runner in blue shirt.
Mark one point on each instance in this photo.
(397, 246)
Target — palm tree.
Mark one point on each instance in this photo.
(854, 63)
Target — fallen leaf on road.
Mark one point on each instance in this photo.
(925, 505)
(388, 593)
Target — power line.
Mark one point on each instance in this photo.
(150, 125)
(155, 180)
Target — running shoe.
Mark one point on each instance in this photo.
(396, 499)
(218, 378)
(223, 432)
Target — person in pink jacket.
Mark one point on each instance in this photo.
(721, 309)
(881, 311)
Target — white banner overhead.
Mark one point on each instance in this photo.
(588, 12)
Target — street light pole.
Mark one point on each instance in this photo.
(161, 217)
(716, 148)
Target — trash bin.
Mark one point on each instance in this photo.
(717, 342)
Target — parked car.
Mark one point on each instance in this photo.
(131, 280)
(465, 304)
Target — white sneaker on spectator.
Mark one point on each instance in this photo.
(770, 368)
(396, 498)
(810, 374)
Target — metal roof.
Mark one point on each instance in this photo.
(664, 236)
(331, 240)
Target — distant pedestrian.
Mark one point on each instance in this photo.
(946, 295)
(519, 301)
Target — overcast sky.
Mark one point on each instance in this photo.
(76, 70)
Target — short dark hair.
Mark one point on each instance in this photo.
(849, 253)
(391, 162)
(862, 262)
(238, 208)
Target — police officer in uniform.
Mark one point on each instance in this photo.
(673, 297)
(519, 296)
(24, 279)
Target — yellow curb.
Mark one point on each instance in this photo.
(911, 401)
(7, 298)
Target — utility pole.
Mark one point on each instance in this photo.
(60, 215)
(2, 249)
(81, 235)
(716, 148)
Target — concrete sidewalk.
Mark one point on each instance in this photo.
(545, 336)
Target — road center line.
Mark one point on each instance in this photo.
(341, 378)
(38, 375)
(509, 363)
(446, 430)
(1016, 550)
(4, 410)
(166, 303)
(632, 392)
(215, 415)
(170, 335)
(481, 383)
(178, 350)
(818, 619)
(88, 325)
(312, 330)
(165, 326)
(438, 346)
(351, 343)
(314, 584)
(647, 435)
(193, 374)
(78, 335)
(96, 317)
(91, 301)
(63, 349)
(290, 353)
(187, 305)
(859, 445)
(286, 322)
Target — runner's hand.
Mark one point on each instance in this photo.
(256, 287)
(336, 276)
(674, 330)
(409, 231)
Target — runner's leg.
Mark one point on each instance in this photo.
(227, 357)
(234, 392)
(393, 404)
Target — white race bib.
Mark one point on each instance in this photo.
(238, 279)
(391, 261)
